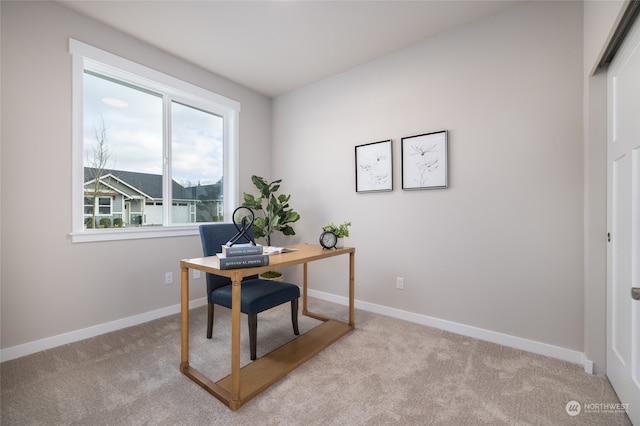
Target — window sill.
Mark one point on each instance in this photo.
(88, 236)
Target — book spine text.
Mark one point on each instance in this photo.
(235, 262)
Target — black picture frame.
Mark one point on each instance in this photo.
(374, 166)
(425, 161)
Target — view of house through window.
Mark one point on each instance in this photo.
(150, 159)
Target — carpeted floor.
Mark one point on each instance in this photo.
(386, 372)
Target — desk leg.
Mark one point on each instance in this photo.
(184, 317)
(305, 311)
(352, 274)
(235, 342)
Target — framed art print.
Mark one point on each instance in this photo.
(424, 161)
(374, 167)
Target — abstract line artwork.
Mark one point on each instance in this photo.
(424, 161)
(374, 167)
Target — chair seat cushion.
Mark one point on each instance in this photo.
(257, 295)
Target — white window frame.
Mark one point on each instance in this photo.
(86, 56)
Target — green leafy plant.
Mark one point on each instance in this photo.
(273, 212)
(341, 230)
(88, 222)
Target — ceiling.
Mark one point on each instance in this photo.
(274, 47)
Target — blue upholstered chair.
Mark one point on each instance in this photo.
(257, 295)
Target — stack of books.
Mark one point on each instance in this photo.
(242, 256)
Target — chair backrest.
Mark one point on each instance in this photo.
(213, 237)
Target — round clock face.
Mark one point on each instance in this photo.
(328, 239)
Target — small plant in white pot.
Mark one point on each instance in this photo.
(341, 231)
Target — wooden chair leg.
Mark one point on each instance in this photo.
(294, 316)
(210, 321)
(253, 332)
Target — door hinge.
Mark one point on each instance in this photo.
(608, 237)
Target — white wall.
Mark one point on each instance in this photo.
(50, 286)
(502, 248)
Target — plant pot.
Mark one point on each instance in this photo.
(340, 243)
(272, 275)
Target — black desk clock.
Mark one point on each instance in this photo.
(328, 239)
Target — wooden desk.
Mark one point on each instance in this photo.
(245, 383)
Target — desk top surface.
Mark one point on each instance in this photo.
(303, 253)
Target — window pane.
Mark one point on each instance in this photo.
(197, 165)
(88, 206)
(104, 206)
(122, 147)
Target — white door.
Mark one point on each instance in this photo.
(623, 199)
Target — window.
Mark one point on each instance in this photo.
(104, 206)
(153, 156)
(98, 213)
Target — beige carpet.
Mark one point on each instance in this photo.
(385, 372)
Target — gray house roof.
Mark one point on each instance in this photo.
(151, 185)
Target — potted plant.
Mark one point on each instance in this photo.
(341, 231)
(273, 212)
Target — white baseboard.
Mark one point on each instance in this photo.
(85, 333)
(588, 365)
(466, 330)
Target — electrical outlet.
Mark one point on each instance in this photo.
(196, 274)
(168, 278)
(400, 283)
